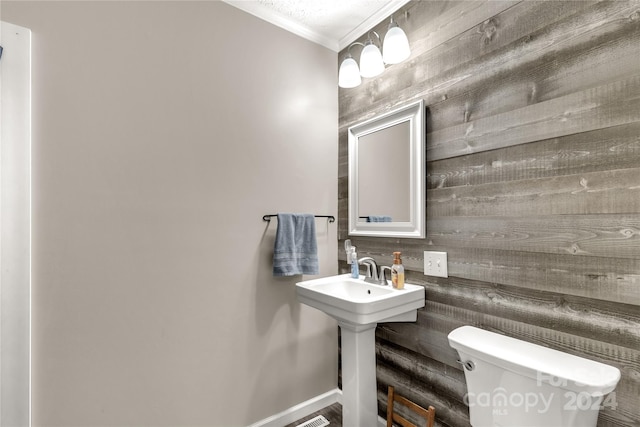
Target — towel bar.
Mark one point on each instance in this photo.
(330, 217)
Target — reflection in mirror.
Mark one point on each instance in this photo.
(383, 157)
(386, 174)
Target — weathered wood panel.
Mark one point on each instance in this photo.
(617, 147)
(615, 323)
(606, 192)
(612, 104)
(586, 235)
(533, 188)
(608, 279)
(582, 65)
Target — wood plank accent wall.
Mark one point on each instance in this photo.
(533, 188)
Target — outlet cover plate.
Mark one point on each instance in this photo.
(435, 264)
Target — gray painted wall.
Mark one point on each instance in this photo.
(162, 132)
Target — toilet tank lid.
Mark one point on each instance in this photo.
(538, 362)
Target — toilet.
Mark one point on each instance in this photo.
(514, 383)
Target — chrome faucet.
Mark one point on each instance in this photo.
(372, 269)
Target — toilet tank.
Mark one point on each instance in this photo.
(511, 382)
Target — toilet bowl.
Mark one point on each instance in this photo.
(514, 383)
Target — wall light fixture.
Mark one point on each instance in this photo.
(395, 49)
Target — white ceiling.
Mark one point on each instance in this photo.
(331, 23)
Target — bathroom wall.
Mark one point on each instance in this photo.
(533, 188)
(162, 133)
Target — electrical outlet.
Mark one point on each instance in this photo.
(435, 264)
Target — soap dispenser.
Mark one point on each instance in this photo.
(355, 267)
(397, 271)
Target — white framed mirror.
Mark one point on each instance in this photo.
(387, 174)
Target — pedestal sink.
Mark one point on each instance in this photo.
(358, 306)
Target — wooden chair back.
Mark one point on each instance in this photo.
(393, 398)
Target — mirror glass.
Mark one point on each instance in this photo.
(386, 174)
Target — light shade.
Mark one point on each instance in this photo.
(371, 63)
(349, 74)
(396, 46)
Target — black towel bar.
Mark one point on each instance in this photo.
(330, 217)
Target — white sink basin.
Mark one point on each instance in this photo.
(358, 306)
(358, 302)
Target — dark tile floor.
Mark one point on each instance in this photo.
(332, 413)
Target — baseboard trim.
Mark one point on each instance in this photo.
(301, 410)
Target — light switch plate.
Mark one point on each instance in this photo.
(435, 264)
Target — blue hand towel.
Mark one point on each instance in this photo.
(379, 218)
(295, 250)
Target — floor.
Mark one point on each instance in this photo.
(332, 413)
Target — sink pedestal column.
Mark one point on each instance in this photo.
(359, 390)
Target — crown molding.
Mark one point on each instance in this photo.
(370, 22)
(266, 14)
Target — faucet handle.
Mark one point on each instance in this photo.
(372, 269)
(383, 279)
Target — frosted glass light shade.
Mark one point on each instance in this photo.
(349, 74)
(371, 63)
(396, 46)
